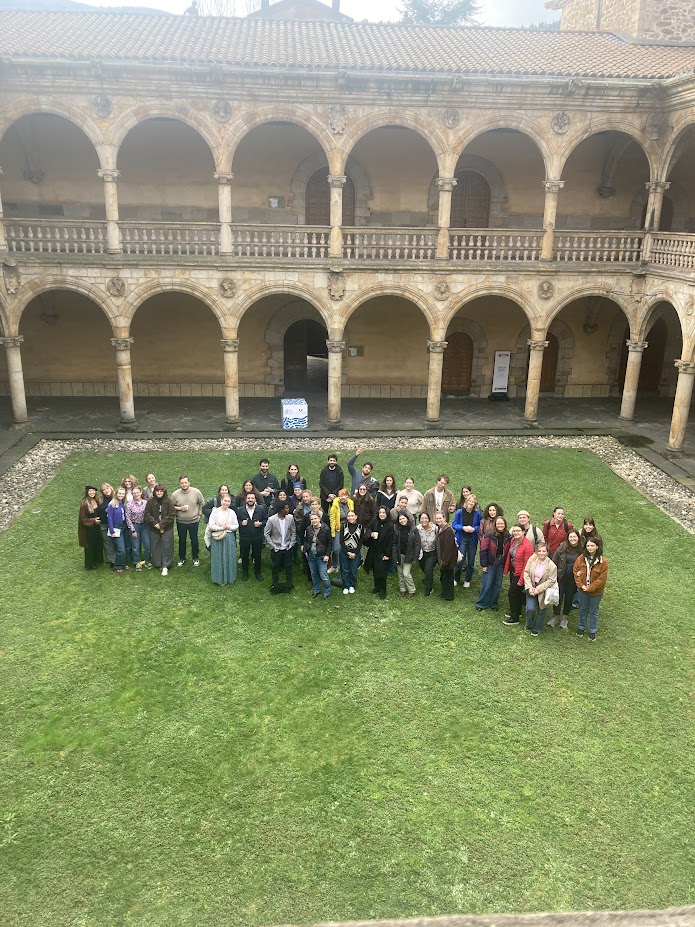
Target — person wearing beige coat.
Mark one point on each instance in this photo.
(540, 573)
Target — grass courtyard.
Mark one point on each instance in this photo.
(173, 753)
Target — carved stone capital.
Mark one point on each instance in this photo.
(336, 347)
(223, 176)
(636, 347)
(437, 347)
(109, 175)
(537, 345)
(657, 186)
(337, 180)
(446, 184)
(122, 344)
(230, 345)
(684, 367)
(553, 186)
(116, 286)
(12, 341)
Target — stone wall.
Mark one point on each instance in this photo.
(668, 20)
(652, 20)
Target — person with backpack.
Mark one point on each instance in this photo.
(531, 531)
(556, 529)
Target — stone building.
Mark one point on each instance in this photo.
(195, 206)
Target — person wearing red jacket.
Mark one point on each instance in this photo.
(518, 553)
(556, 529)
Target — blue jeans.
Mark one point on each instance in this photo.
(468, 548)
(535, 616)
(122, 547)
(490, 586)
(588, 608)
(188, 529)
(348, 570)
(335, 554)
(319, 574)
(143, 538)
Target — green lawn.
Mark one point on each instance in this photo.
(173, 753)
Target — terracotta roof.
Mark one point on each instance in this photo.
(333, 46)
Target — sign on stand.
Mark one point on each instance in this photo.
(295, 413)
(500, 376)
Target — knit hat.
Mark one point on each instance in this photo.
(87, 488)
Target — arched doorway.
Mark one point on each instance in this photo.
(305, 357)
(652, 359)
(318, 200)
(470, 201)
(457, 365)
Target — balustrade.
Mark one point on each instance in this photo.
(45, 237)
(487, 245)
(292, 241)
(599, 247)
(170, 238)
(390, 244)
(673, 250)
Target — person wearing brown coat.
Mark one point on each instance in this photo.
(88, 530)
(447, 555)
(590, 572)
(159, 515)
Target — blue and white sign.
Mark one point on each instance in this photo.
(295, 413)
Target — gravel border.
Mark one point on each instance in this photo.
(28, 476)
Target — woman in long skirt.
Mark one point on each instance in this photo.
(221, 533)
(88, 530)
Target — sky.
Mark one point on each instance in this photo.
(493, 12)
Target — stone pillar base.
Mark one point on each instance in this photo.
(232, 425)
(128, 426)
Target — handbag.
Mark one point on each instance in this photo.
(552, 595)
(219, 534)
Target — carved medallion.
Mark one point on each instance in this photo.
(546, 289)
(689, 306)
(442, 290)
(116, 286)
(222, 110)
(227, 288)
(560, 123)
(452, 118)
(12, 278)
(337, 118)
(336, 285)
(102, 106)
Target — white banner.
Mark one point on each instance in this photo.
(500, 376)
(295, 413)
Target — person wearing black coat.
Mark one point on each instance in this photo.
(317, 545)
(380, 541)
(406, 551)
(331, 479)
(252, 518)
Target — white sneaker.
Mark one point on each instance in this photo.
(346, 591)
(466, 585)
(351, 590)
(165, 572)
(332, 570)
(196, 563)
(455, 584)
(180, 563)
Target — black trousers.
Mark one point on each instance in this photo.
(428, 562)
(254, 548)
(281, 560)
(517, 597)
(446, 578)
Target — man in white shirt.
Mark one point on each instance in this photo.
(280, 535)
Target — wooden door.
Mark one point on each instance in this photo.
(551, 356)
(458, 364)
(470, 202)
(318, 200)
(295, 349)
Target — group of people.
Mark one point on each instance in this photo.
(365, 524)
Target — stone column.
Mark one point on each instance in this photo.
(113, 234)
(230, 347)
(681, 405)
(552, 189)
(16, 377)
(335, 380)
(125, 383)
(434, 378)
(3, 237)
(337, 182)
(224, 196)
(446, 188)
(655, 202)
(634, 364)
(533, 383)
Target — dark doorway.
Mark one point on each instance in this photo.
(458, 364)
(652, 359)
(306, 356)
(318, 200)
(470, 201)
(551, 355)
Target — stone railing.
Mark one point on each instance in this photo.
(65, 237)
(672, 250)
(492, 245)
(381, 244)
(170, 238)
(292, 241)
(599, 247)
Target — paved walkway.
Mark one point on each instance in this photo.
(74, 418)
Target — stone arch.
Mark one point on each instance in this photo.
(263, 115)
(565, 338)
(72, 114)
(655, 310)
(532, 129)
(678, 196)
(404, 292)
(605, 124)
(478, 336)
(670, 152)
(274, 337)
(406, 119)
(487, 170)
(290, 289)
(506, 292)
(139, 115)
(55, 282)
(4, 319)
(308, 167)
(604, 290)
(152, 288)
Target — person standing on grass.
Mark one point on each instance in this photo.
(214, 503)
(439, 498)
(415, 498)
(380, 548)
(280, 535)
(564, 559)
(387, 492)
(428, 546)
(351, 538)
(292, 479)
(493, 552)
(338, 514)
(466, 524)
(534, 534)
(489, 517)
(317, 549)
(365, 507)
(106, 490)
(363, 476)
(447, 555)
(128, 482)
(252, 519)
(518, 554)
(540, 573)
(139, 529)
(590, 573)
(221, 534)
(406, 551)
(88, 530)
(331, 479)
(188, 503)
(160, 515)
(118, 529)
(265, 482)
(148, 488)
(556, 529)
